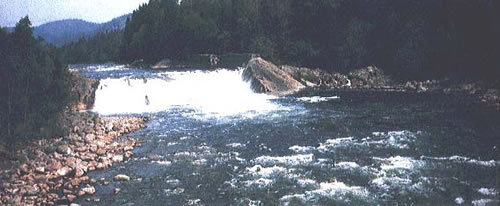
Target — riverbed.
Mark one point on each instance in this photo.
(213, 141)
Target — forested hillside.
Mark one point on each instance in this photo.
(62, 32)
(102, 48)
(410, 39)
(34, 89)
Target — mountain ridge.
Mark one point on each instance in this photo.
(62, 32)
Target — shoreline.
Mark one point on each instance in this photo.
(54, 171)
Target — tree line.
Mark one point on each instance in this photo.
(410, 39)
(34, 86)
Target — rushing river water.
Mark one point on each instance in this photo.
(212, 141)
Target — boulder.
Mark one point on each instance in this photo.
(64, 171)
(121, 177)
(369, 77)
(117, 158)
(88, 190)
(163, 64)
(266, 77)
(84, 89)
(63, 149)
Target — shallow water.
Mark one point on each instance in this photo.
(212, 141)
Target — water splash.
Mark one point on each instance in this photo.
(216, 93)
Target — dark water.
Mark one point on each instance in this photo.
(362, 148)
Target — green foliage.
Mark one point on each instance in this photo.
(102, 48)
(410, 39)
(34, 85)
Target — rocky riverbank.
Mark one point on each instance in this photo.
(54, 171)
(265, 77)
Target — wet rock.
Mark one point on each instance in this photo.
(121, 177)
(80, 170)
(24, 169)
(369, 77)
(128, 154)
(63, 149)
(100, 144)
(80, 193)
(71, 197)
(64, 171)
(84, 88)
(40, 170)
(31, 190)
(54, 165)
(101, 151)
(89, 190)
(89, 138)
(266, 77)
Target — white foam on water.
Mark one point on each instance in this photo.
(173, 182)
(331, 144)
(306, 182)
(301, 149)
(236, 145)
(347, 165)
(332, 190)
(293, 160)
(186, 154)
(399, 162)
(488, 191)
(316, 99)
(397, 172)
(104, 68)
(162, 162)
(392, 139)
(185, 138)
(254, 202)
(459, 200)
(194, 202)
(261, 182)
(484, 202)
(460, 159)
(200, 162)
(217, 93)
(266, 172)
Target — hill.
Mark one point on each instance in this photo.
(62, 32)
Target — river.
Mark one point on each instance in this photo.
(212, 141)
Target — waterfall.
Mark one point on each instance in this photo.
(220, 92)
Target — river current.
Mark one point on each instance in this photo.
(212, 141)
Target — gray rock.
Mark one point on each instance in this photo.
(266, 77)
(121, 177)
(63, 149)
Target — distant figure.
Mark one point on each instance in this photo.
(147, 100)
(145, 80)
(214, 60)
(128, 82)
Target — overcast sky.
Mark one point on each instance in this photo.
(43, 11)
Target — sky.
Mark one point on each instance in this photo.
(43, 11)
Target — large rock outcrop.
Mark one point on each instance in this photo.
(83, 92)
(266, 77)
(369, 77)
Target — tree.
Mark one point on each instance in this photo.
(36, 85)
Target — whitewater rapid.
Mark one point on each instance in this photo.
(217, 93)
